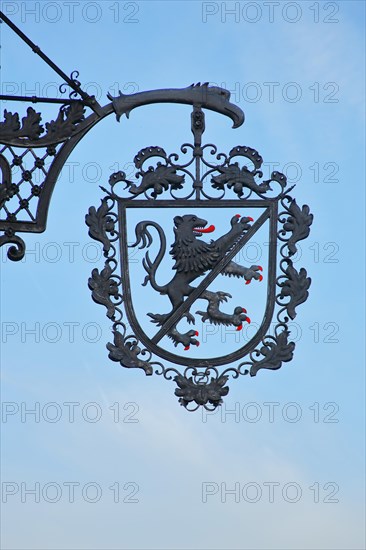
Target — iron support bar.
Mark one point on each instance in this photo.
(36, 99)
(89, 100)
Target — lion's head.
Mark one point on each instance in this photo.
(192, 254)
(190, 226)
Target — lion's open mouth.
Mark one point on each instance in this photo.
(199, 230)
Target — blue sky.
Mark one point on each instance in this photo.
(168, 460)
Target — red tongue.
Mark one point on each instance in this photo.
(206, 229)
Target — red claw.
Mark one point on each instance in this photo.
(260, 278)
(197, 344)
(243, 310)
(238, 215)
(186, 348)
(250, 219)
(239, 327)
(260, 268)
(196, 333)
(248, 320)
(247, 282)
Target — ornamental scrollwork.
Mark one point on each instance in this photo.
(29, 131)
(294, 285)
(103, 288)
(298, 224)
(126, 351)
(275, 351)
(107, 291)
(199, 386)
(100, 224)
(201, 390)
(170, 175)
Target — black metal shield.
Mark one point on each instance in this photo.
(198, 264)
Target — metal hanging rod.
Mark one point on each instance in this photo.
(36, 99)
(89, 100)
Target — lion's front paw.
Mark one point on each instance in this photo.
(253, 273)
(240, 224)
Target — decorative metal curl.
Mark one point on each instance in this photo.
(14, 253)
(73, 94)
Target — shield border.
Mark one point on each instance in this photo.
(271, 206)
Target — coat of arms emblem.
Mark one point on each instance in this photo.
(174, 240)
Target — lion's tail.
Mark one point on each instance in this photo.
(144, 237)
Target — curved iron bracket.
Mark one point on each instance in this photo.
(200, 95)
(19, 213)
(26, 144)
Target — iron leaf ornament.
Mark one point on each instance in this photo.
(174, 237)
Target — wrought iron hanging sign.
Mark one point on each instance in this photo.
(206, 207)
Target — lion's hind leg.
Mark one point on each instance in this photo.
(186, 339)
